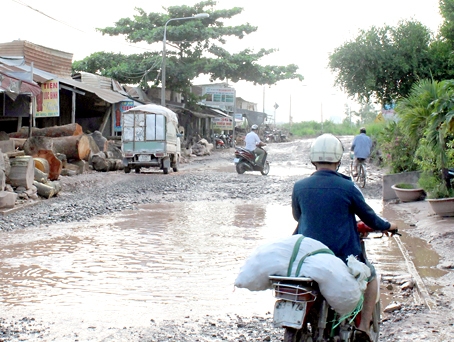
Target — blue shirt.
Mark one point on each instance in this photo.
(325, 205)
(361, 146)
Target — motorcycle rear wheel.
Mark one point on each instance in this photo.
(292, 335)
(241, 167)
(266, 169)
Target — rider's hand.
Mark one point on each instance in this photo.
(392, 228)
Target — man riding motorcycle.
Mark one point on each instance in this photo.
(253, 144)
(325, 205)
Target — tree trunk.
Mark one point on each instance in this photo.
(45, 190)
(74, 147)
(100, 141)
(7, 199)
(40, 176)
(55, 131)
(22, 172)
(7, 146)
(55, 165)
(19, 143)
(42, 164)
(34, 144)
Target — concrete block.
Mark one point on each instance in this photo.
(390, 180)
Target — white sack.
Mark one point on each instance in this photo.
(341, 286)
(337, 284)
(272, 259)
(360, 271)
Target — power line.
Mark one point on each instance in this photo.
(73, 27)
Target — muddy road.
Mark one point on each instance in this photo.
(153, 257)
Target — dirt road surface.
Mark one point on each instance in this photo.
(421, 311)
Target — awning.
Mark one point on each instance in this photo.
(105, 94)
(14, 87)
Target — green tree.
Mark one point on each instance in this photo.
(198, 48)
(382, 64)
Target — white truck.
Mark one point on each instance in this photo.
(150, 138)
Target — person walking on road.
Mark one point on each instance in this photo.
(361, 147)
(254, 144)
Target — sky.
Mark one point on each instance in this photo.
(303, 32)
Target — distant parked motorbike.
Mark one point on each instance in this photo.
(218, 141)
(229, 140)
(245, 160)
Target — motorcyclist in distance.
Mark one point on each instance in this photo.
(254, 144)
(325, 205)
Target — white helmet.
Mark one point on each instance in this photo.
(326, 148)
(254, 127)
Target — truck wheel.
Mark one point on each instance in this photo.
(127, 169)
(137, 169)
(176, 166)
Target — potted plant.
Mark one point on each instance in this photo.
(407, 192)
(429, 112)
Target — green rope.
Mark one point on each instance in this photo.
(352, 315)
(318, 251)
(296, 249)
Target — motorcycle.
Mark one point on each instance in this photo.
(305, 314)
(245, 160)
(219, 142)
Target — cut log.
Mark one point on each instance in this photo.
(4, 136)
(80, 166)
(44, 190)
(62, 157)
(19, 143)
(34, 144)
(2, 161)
(7, 199)
(74, 147)
(54, 131)
(41, 176)
(2, 180)
(7, 146)
(15, 154)
(100, 140)
(55, 165)
(42, 164)
(5, 164)
(48, 189)
(22, 172)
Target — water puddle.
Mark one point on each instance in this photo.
(164, 261)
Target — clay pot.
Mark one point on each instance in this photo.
(408, 195)
(442, 206)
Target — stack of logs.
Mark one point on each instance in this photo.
(31, 166)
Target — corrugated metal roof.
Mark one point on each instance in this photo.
(10, 67)
(44, 58)
(94, 80)
(105, 94)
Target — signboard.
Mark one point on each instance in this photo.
(119, 109)
(221, 97)
(222, 123)
(48, 102)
